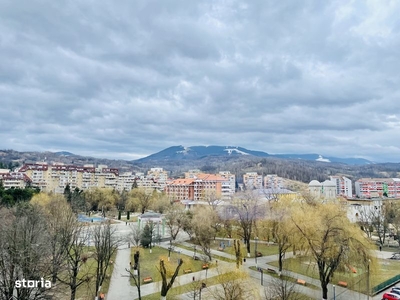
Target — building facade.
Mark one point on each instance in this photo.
(377, 187)
(343, 186)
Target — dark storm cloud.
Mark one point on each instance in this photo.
(129, 78)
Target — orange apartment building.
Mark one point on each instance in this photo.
(196, 188)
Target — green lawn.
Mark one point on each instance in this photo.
(356, 281)
(264, 248)
(87, 290)
(149, 262)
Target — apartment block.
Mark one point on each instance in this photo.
(273, 181)
(54, 178)
(377, 187)
(252, 180)
(13, 179)
(343, 186)
(196, 189)
(228, 186)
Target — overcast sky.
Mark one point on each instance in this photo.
(124, 79)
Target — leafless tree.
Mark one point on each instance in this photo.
(24, 251)
(105, 246)
(247, 209)
(134, 235)
(175, 220)
(75, 269)
(60, 223)
(281, 288)
(165, 285)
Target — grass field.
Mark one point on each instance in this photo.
(264, 248)
(356, 281)
(149, 262)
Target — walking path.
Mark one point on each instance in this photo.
(120, 288)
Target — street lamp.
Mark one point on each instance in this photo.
(169, 249)
(255, 250)
(262, 273)
(334, 292)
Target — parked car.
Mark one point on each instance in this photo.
(396, 256)
(395, 291)
(390, 296)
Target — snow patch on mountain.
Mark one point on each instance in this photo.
(320, 158)
(230, 150)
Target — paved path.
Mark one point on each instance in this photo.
(120, 288)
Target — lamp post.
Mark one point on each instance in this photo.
(334, 292)
(262, 275)
(169, 249)
(368, 283)
(255, 250)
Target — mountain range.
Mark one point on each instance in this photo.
(178, 153)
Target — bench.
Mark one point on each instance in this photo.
(301, 281)
(342, 283)
(271, 270)
(147, 279)
(205, 266)
(187, 271)
(220, 249)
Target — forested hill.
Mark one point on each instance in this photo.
(295, 169)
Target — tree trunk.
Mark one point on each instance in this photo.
(247, 240)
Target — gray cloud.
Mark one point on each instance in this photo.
(127, 79)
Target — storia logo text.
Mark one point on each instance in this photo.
(33, 283)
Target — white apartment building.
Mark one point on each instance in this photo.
(228, 186)
(273, 181)
(343, 186)
(252, 180)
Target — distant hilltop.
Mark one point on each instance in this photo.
(198, 152)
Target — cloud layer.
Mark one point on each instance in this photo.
(126, 79)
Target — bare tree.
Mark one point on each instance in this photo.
(202, 228)
(365, 219)
(134, 235)
(165, 286)
(105, 246)
(238, 254)
(175, 220)
(232, 285)
(135, 275)
(60, 225)
(247, 209)
(281, 288)
(23, 252)
(76, 271)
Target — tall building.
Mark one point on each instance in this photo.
(228, 186)
(273, 181)
(343, 186)
(252, 180)
(200, 188)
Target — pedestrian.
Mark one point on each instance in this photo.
(380, 247)
(129, 245)
(126, 223)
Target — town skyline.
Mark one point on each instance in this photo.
(127, 80)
